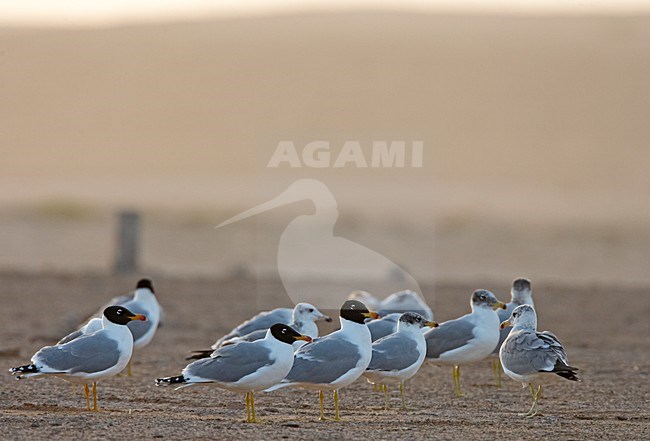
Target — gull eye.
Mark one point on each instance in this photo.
(311, 309)
(119, 311)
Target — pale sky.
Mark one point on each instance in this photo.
(114, 12)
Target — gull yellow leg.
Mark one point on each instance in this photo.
(385, 389)
(321, 396)
(496, 370)
(401, 392)
(96, 407)
(535, 395)
(375, 387)
(457, 381)
(336, 405)
(128, 369)
(87, 394)
(535, 400)
(253, 416)
(248, 407)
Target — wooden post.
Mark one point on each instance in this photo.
(127, 243)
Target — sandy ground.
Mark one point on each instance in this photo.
(611, 401)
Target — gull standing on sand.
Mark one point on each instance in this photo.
(397, 357)
(335, 360)
(521, 293)
(244, 367)
(467, 339)
(88, 358)
(303, 321)
(529, 356)
(142, 301)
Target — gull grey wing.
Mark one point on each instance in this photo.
(383, 327)
(393, 353)
(89, 354)
(338, 354)
(263, 320)
(554, 344)
(448, 336)
(230, 363)
(526, 353)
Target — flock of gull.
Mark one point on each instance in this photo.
(281, 348)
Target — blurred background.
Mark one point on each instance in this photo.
(533, 118)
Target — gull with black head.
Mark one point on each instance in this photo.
(88, 358)
(141, 301)
(245, 367)
(335, 360)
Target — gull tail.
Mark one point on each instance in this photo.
(28, 370)
(198, 355)
(167, 381)
(565, 371)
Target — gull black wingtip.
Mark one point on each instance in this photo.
(170, 380)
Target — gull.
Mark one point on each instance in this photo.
(398, 356)
(335, 360)
(264, 320)
(467, 339)
(88, 358)
(520, 294)
(141, 301)
(244, 367)
(399, 302)
(304, 318)
(529, 356)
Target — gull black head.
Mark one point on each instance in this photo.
(355, 311)
(483, 297)
(415, 319)
(286, 334)
(145, 283)
(121, 316)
